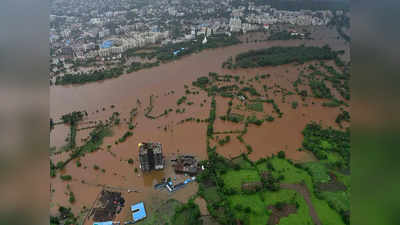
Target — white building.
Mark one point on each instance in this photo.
(235, 24)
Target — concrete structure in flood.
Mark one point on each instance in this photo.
(151, 157)
(186, 164)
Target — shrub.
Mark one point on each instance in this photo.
(60, 165)
(269, 118)
(181, 100)
(294, 104)
(249, 149)
(279, 205)
(281, 154)
(253, 119)
(224, 140)
(71, 197)
(126, 135)
(66, 177)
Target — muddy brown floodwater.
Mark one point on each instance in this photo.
(187, 138)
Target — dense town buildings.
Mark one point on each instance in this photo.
(83, 27)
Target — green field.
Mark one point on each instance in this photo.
(234, 179)
(339, 200)
(258, 204)
(211, 195)
(326, 214)
(250, 207)
(318, 172)
(244, 164)
(163, 214)
(290, 172)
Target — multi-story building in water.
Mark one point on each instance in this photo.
(151, 157)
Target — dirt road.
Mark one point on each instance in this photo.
(303, 190)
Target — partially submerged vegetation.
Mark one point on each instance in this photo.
(72, 120)
(283, 55)
(89, 77)
(325, 143)
(162, 54)
(94, 142)
(286, 35)
(242, 191)
(149, 109)
(246, 192)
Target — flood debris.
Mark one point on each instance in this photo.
(109, 204)
(170, 186)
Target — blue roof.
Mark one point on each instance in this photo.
(139, 212)
(103, 223)
(107, 44)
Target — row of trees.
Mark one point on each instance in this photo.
(210, 127)
(96, 137)
(323, 141)
(89, 77)
(72, 119)
(175, 51)
(65, 217)
(136, 66)
(283, 35)
(283, 55)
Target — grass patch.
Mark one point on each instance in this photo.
(326, 214)
(163, 214)
(337, 200)
(234, 179)
(318, 172)
(256, 106)
(289, 171)
(345, 179)
(257, 203)
(242, 204)
(210, 194)
(242, 163)
(188, 213)
(302, 216)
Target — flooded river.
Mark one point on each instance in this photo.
(187, 138)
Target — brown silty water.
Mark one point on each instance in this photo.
(187, 138)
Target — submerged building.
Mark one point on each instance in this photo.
(186, 164)
(151, 156)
